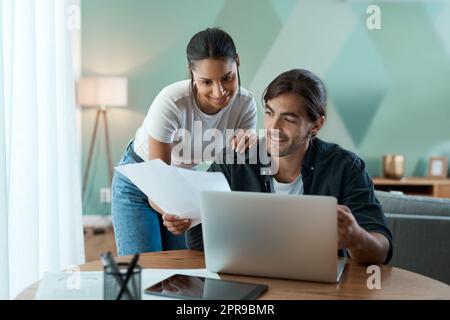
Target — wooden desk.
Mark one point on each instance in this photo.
(438, 188)
(395, 283)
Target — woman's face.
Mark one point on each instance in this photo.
(216, 81)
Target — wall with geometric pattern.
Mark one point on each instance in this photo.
(389, 89)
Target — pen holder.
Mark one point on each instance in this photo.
(112, 283)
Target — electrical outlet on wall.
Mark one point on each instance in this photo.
(105, 195)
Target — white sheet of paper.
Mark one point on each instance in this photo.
(175, 190)
(71, 286)
(89, 285)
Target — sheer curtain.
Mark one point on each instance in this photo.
(40, 200)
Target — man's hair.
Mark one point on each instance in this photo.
(306, 85)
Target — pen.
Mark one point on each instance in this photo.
(127, 278)
(110, 264)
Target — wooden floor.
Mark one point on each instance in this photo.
(97, 241)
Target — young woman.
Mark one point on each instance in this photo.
(211, 99)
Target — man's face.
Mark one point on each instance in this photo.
(286, 114)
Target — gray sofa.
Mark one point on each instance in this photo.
(421, 233)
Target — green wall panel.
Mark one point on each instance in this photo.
(389, 89)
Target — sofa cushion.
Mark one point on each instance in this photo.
(393, 202)
(420, 229)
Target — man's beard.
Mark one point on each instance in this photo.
(288, 148)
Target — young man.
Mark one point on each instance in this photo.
(295, 105)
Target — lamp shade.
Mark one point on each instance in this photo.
(102, 92)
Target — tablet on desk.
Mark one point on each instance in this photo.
(192, 287)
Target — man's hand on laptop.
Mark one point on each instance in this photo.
(174, 224)
(348, 229)
(363, 246)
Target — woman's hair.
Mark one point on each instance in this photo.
(211, 43)
(306, 85)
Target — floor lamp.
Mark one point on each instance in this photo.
(101, 93)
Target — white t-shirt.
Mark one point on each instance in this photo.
(295, 187)
(174, 114)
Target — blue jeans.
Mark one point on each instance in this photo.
(137, 227)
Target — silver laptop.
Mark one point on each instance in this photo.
(270, 235)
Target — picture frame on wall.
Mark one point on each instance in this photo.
(438, 167)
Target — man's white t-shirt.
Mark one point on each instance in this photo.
(174, 115)
(295, 187)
